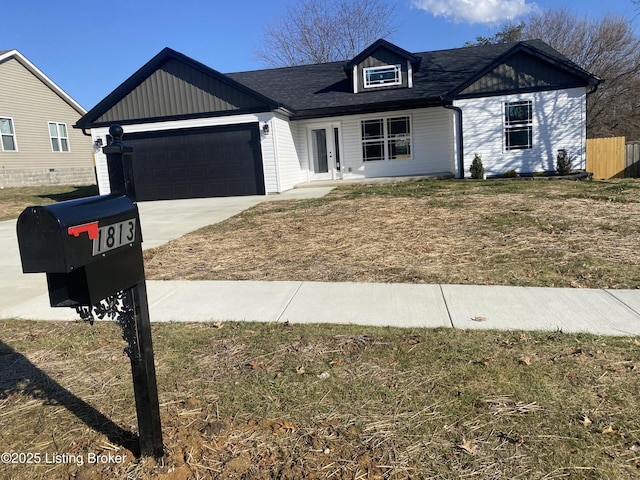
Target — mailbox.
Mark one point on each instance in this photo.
(89, 248)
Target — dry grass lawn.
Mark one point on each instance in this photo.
(13, 200)
(289, 402)
(531, 233)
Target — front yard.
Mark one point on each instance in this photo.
(529, 233)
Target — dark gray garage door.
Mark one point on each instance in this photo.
(202, 162)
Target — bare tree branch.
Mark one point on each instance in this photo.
(317, 31)
(607, 47)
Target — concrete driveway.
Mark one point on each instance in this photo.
(161, 221)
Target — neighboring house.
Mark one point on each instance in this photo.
(38, 145)
(387, 112)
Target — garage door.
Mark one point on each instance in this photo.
(202, 162)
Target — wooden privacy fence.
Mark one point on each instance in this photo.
(613, 158)
(632, 160)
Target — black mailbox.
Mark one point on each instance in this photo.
(89, 248)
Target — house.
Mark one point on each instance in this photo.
(38, 145)
(387, 112)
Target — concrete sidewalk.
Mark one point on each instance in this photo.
(602, 312)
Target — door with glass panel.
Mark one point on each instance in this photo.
(324, 154)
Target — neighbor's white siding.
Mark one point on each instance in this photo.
(559, 121)
(432, 144)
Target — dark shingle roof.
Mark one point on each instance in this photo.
(311, 90)
(319, 90)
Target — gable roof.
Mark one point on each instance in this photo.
(530, 64)
(382, 44)
(15, 54)
(310, 91)
(172, 85)
(323, 89)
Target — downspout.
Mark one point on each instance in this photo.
(460, 138)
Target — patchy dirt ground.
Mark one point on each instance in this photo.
(561, 234)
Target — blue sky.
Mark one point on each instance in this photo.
(89, 48)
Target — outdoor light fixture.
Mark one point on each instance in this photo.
(98, 142)
(265, 129)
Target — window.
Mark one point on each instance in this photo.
(382, 76)
(386, 139)
(8, 135)
(59, 137)
(518, 125)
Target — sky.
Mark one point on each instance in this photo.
(88, 48)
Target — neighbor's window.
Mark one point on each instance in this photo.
(59, 137)
(8, 135)
(386, 139)
(518, 125)
(382, 76)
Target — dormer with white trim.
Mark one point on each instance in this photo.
(381, 66)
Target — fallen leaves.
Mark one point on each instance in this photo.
(467, 446)
(479, 319)
(526, 360)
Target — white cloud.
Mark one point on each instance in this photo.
(476, 11)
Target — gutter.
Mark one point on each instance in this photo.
(460, 138)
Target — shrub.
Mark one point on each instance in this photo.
(510, 174)
(563, 162)
(477, 170)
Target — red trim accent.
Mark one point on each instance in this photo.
(90, 228)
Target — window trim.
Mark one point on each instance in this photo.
(518, 125)
(12, 135)
(386, 139)
(397, 80)
(59, 137)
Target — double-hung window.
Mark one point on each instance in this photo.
(382, 76)
(386, 138)
(59, 137)
(7, 135)
(518, 125)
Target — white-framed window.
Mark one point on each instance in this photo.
(382, 76)
(386, 138)
(518, 125)
(8, 135)
(59, 137)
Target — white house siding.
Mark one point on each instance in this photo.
(267, 143)
(288, 162)
(432, 144)
(559, 119)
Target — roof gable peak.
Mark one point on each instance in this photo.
(383, 44)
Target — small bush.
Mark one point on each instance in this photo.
(510, 174)
(563, 162)
(477, 170)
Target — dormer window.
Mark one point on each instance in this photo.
(383, 76)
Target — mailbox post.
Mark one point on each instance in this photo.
(91, 251)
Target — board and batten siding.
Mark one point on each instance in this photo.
(432, 144)
(32, 105)
(559, 119)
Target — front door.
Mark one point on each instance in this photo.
(324, 144)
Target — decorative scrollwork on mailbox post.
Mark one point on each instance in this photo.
(91, 251)
(118, 307)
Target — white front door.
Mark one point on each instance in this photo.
(324, 152)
